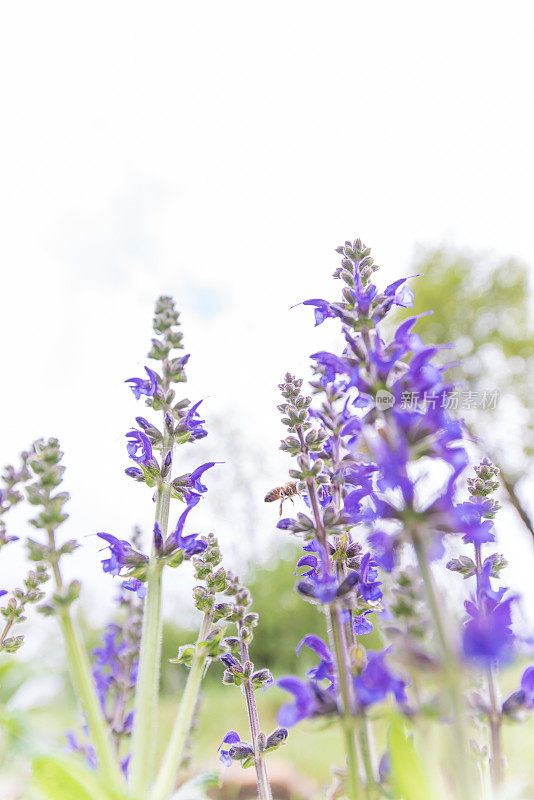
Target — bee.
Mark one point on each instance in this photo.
(282, 493)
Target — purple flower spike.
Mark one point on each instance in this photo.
(139, 447)
(140, 386)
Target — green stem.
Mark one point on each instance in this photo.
(367, 755)
(353, 780)
(144, 739)
(173, 757)
(451, 673)
(80, 671)
(7, 628)
(495, 722)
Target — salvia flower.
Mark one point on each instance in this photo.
(123, 560)
(376, 681)
(139, 447)
(233, 749)
(325, 668)
(194, 424)
(194, 480)
(146, 387)
(487, 635)
(191, 544)
(310, 700)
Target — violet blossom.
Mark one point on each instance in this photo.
(146, 387)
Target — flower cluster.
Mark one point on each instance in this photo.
(319, 696)
(46, 475)
(370, 469)
(181, 423)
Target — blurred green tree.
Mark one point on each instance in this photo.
(484, 306)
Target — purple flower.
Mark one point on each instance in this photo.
(140, 386)
(122, 555)
(325, 588)
(135, 472)
(158, 537)
(307, 561)
(134, 585)
(333, 366)
(139, 447)
(3, 592)
(527, 686)
(363, 296)
(376, 681)
(231, 738)
(361, 625)
(369, 584)
(325, 668)
(310, 700)
(400, 294)
(384, 549)
(322, 310)
(86, 750)
(487, 635)
(195, 484)
(194, 424)
(189, 544)
(476, 530)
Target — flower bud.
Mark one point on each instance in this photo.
(276, 738)
(238, 752)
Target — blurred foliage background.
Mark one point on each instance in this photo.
(483, 306)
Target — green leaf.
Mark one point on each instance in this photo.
(196, 788)
(65, 779)
(409, 778)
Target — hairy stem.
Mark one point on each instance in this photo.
(264, 787)
(173, 757)
(450, 671)
(144, 739)
(344, 684)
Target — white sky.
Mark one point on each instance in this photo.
(219, 151)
